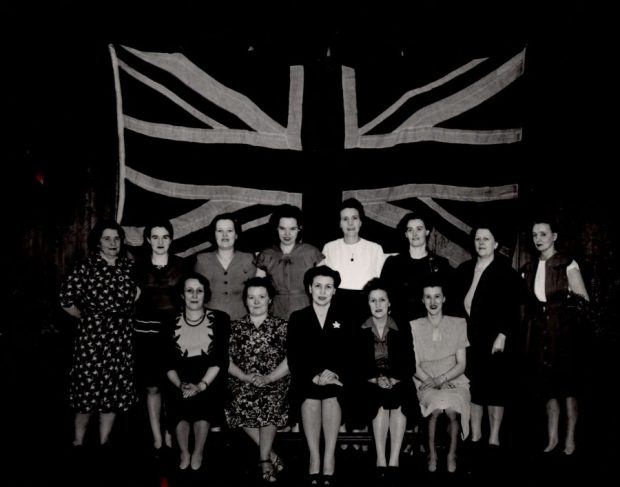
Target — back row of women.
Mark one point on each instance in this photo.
(260, 338)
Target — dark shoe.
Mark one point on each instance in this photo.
(267, 471)
(328, 480)
(314, 479)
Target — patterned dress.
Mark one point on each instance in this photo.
(258, 350)
(101, 377)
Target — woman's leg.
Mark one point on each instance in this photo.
(476, 422)
(80, 422)
(571, 423)
(311, 421)
(553, 419)
(331, 424)
(432, 451)
(398, 423)
(454, 438)
(380, 426)
(106, 421)
(182, 434)
(201, 430)
(496, 414)
(153, 406)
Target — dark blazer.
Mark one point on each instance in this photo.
(312, 349)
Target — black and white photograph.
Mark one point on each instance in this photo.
(309, 244)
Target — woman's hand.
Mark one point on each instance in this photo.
(384, 382)
(328, 377)
(429, 383)
(189, 390)
(499, 344)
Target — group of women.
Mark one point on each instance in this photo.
(346, 335)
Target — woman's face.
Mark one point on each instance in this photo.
(543, 237)
(350, 222)
(379, 303)
(159, 240)
(225, 234)
(433, 300)
(257, 301)
(322, 290)
(484, 242)
(193, 294)
(416, 233)
(288, 230)
(110, 243)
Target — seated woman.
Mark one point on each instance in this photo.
(387, 367)
(198, 355)
(440, 342)
(317, 356)
(258, 367)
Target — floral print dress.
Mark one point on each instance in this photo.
(258, 350)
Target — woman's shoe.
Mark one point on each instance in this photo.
(451, 463)
(432, 464)
(328, 480)
(278, 464)
(314, 479)
(267, 471)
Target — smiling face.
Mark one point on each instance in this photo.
(225, 234)
(379, 303)
(288, 231)
(110, 243)
(416, 233)
(257, 301)
(322, 290)
(350, 222)
(159, 240)
(193, 294)
(433, 300)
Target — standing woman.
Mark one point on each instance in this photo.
(405, 273)
(260, 379)
(287, 261)
(100, 292)
(317, 357)
(196, 370)
(489, 291)
(555, 343)
(226, 268)
(356, 259)
(158, 274)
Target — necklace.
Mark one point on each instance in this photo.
(195, 322)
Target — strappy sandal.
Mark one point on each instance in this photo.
(267, 473)
(278, 464)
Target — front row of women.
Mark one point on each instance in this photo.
(320, 352)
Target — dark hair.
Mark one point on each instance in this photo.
(321, 270)
(413, 215)
(433, 280)
(355, 204)
(548, 219)
(374, 284)
(258, 282)
(201, 279)
(223, 216)
(157, 222)
(490, 226)
(286, 211)
(95, 234)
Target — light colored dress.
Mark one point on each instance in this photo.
(436, 349)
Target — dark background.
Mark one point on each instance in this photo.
(60, 149)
